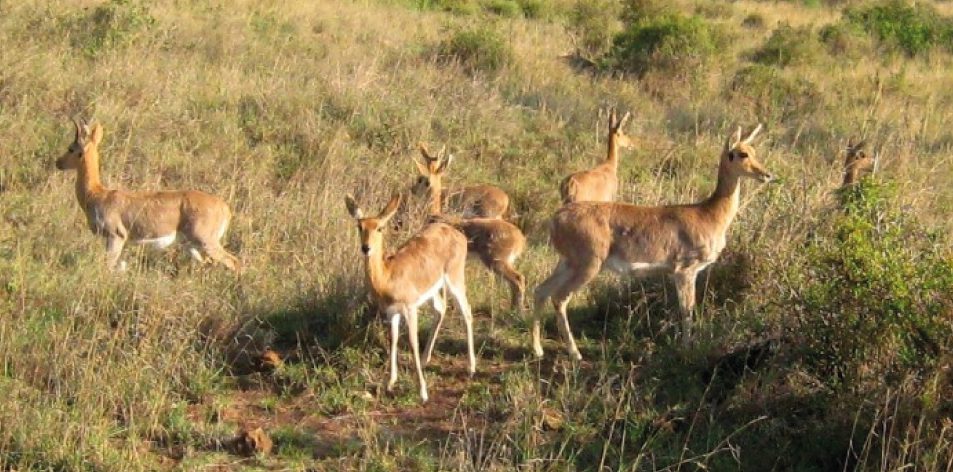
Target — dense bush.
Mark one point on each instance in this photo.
(914, 29)
(668, 42)
(876, 297)
(110, 25)
(592, 24)
(788, 45)
(772, 94)
(477, 50)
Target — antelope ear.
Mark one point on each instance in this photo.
(445, 164)
(352, 207)
(623, 120)
(737, 136)
(424, 152)
(97, 134)
(421, 167)
(390, 210)
(754, 133)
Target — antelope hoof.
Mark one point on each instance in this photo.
(538, 351)
(575, 355)
(423, 395)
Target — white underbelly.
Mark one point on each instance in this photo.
(430, 293)
(161, 242)
(622, 266)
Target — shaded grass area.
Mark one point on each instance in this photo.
(282, 109)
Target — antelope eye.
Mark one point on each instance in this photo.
(742, 154)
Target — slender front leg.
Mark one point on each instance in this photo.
(415, 347)
(565, 329)
(439, 304)
(459, 292)
(114, 245)
(685, 286)
(394, 334)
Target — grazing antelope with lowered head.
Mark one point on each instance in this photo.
(600, 183)
(155, 218)
(857, 163)
(414, 274)
(495, 241)
(475, 201)
(677, 240)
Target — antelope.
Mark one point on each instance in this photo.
(496, 242)
(677, 240)
(600, 183)
(151, 218)
(416, 273)
(476, 201)
(857, 163)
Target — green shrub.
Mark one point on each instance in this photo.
(877, 296)
(788, 45)
(536, 8)
(753, 21)
(507, 8)
(113, 24)
(477, 50)
(772, 94)
(845, 39)
(593, 23)
(914, 29)
(668, 42)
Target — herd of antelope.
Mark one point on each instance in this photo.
(591, 232)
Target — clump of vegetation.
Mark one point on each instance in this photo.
(773, 94)
(877, 301)
(913, 29)
(111, 25)
(592, 24)
(788, 45)
(477, 50)
(507, 8)
(753, 21)
(845, 39)
(669, 42)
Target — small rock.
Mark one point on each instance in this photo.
(249, 443)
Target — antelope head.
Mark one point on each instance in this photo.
(371, 230)
(431, 170)
(85, 138)
(622, 140)
(739, 159)
(857, 161)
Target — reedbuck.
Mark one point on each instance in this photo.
(154, 218)
(857, 163)
(677, 240)
(600, 183)
(413, 275)
(496, 242)
(475, 201)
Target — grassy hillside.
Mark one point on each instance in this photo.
(823, 338)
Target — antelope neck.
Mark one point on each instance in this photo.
(88, 183)
(377, 272)
(722, 205)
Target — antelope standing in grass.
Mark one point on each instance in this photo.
(475, 201)
(153, 218)
(416, 273)
(677, 240)
(857, 163)
(600, 183)
(496, 242)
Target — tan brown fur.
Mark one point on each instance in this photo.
(412, 275)
(496, 242)
(678, 240)
(475, 201)
(856, 163)
(600, 183)
(122, 216)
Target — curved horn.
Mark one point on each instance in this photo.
(424, 152)
(753, 134)
(78, 127)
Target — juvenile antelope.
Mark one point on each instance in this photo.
(600, 183)
(495, 241)
(475, 201)
(677, 240)
(857, 163)
(413, 275)
(154, 218)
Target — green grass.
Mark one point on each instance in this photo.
(282, 110)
